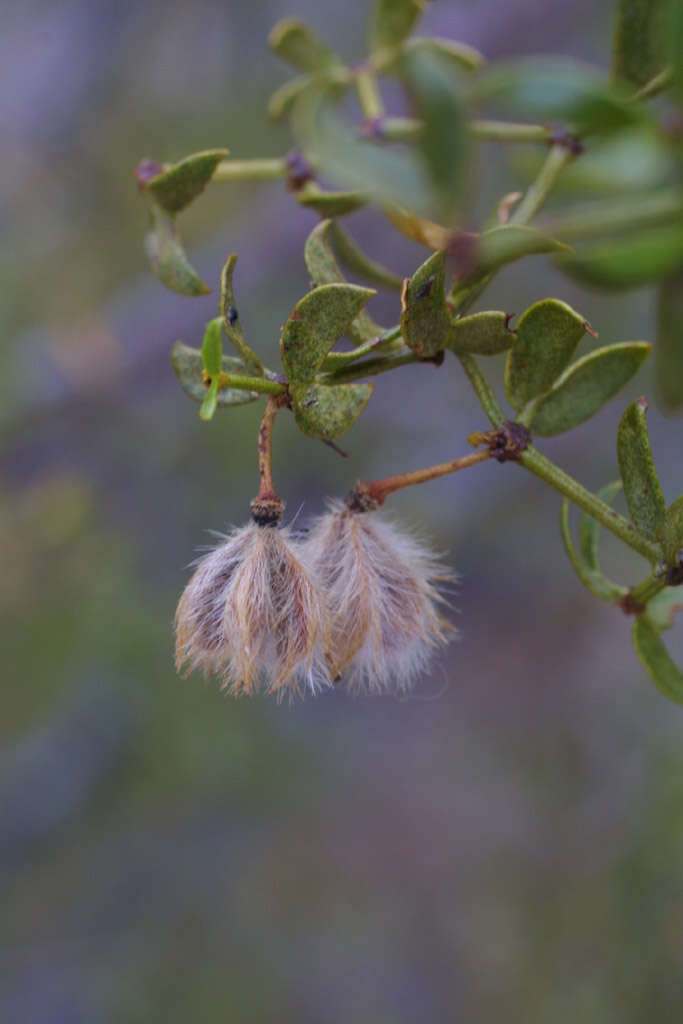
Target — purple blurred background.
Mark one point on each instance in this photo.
(505, 843)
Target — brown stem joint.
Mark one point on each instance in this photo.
(505, 444)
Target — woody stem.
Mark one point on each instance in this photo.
(378, 490)
(265, 448)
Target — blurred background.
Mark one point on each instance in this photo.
(505, 843)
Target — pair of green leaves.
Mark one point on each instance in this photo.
(539, 350)
(334, 308)
(539, 379)
(171, 191)
(428, 324)
(297, 44)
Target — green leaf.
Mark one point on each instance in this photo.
(547, 336)
(314, 325)
(391, 22)
(319, 257)
(328, 412)
(656, 660)
(671, 532)
(231, 326)
(357, 261)
(638, 38)
(636, 159)
(177, 186)
(282, 100)
(669, 347)
(589, 528)
(554, 89)
(208, 406)
(187, 364)
(484, 334)
(331, 204)
(167, 256)
(587, 385)
(212, 348)
(644, 496)
(463, 57)
(630, 261)
(585, 561)
(426, 322)
(480, 255)
(385, 174)
(323, 269)
(663, 606)
(297, 44)
(444, 140)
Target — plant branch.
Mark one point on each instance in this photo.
(558, 157)
(368, 94)
(265, 449)
(646, 590)
(259, 384)
(482, 388)
(656, 85)
(390, 341)
(372, 494)
(504, 131)
(267, 169)
(406, 129)
(369, 368)
(542, 467)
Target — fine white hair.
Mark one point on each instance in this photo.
(252, 614)
(380, 585)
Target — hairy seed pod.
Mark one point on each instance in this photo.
(380, 586)
(252, 614)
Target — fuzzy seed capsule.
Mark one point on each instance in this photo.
(380, 585)
(252, 614)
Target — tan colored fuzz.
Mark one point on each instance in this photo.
(252, 614)
(380, 585)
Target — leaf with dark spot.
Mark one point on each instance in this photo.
(426, 322)
(328, 412)
(231, 325)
